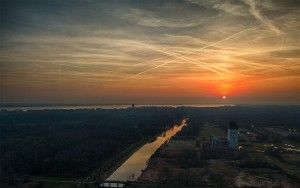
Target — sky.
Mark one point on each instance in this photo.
(150, 52)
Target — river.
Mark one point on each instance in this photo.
(132, 168)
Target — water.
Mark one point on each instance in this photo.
(91, 107)
(132, 168)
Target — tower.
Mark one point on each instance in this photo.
(233, 136)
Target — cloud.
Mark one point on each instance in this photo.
(263, 19)
(229, 7)
(287, 53)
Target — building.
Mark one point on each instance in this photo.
(223, 144)
(233, 136)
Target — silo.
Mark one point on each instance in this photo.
(233, 136)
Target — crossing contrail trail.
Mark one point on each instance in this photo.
(148, 70)
(220, 41)
(202, 64)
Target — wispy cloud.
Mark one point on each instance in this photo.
(263, 19)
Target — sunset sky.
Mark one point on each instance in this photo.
(150, 52)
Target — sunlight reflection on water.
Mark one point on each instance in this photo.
(132, 168)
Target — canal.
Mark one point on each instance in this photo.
(132, 168)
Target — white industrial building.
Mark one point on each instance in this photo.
(233, 136)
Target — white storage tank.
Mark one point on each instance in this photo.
(233, 136)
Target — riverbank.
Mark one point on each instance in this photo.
(138, 161)
(106, 170)
(112, 165)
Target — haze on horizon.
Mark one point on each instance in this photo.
(162, 52)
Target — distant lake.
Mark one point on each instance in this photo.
(91, 107)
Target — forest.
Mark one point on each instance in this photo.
(72, 143)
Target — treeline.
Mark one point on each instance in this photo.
(246, 116)
(74, 142)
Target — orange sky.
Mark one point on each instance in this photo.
(157, 52)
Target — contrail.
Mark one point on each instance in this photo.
(214, 44)
(220, 41)
(204, 65)
(191, 61)
(148, 70)
(256, 13)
